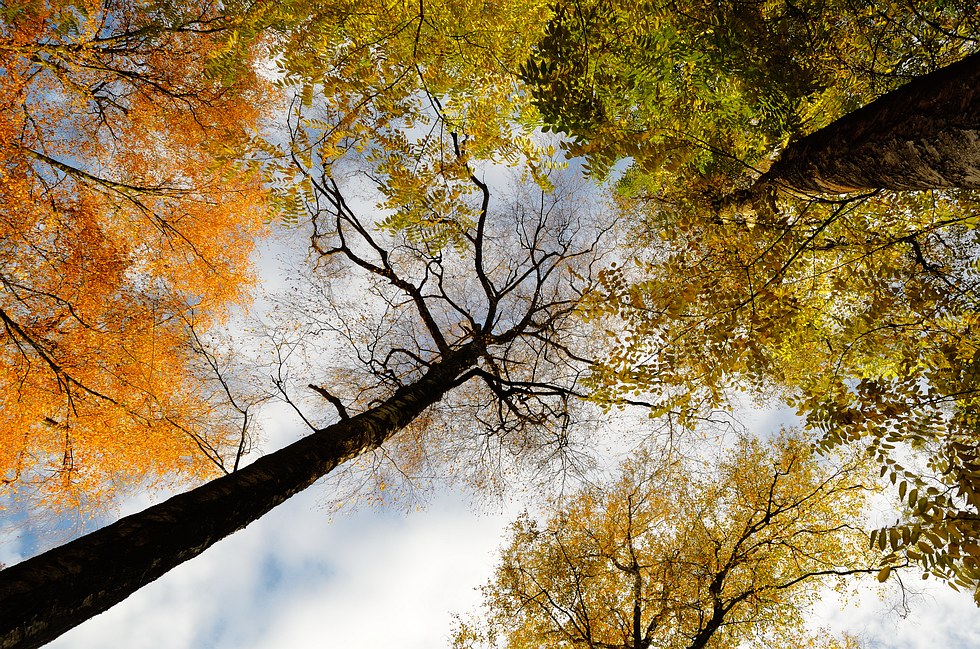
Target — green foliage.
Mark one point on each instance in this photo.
(699, 91)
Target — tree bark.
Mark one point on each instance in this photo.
(49, 594)
(923, 135)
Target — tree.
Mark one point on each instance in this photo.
(491, 309)
(474, 294)
(678, 553)
(378, 67)
(694, 92)
(127, 228)
(522, 311)
(859, 310)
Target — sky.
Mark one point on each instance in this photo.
(301, 578)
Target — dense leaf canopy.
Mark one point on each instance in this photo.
(859, 310)
(702, 93)
(126, 223)
(135, 182)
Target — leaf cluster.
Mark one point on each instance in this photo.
(695, 92)
(680, 553)
(860, 313)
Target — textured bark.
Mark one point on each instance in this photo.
(923, 135)
(49, 594)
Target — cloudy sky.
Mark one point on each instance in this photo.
(298, 579)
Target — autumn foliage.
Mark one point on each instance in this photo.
(125, 221)
(680, 553)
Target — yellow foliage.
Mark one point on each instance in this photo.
(860, 313)
(677, 553)
(416, 92)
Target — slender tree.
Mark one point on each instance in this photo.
(474, 293)
(492, 305)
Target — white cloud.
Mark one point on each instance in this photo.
(294, 579)
(932, 616)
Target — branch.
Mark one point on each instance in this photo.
(337, 403)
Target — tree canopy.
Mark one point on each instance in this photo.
(858, 310)
(471, 299)
(681, 553)
(702, 96)
(127, 226)
(135, 184)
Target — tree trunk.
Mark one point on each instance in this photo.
(923, 135)
(49, 594)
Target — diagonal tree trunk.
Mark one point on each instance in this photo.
(923, 135)
(49, 594)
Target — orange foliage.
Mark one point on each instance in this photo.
(124, 219)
